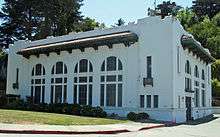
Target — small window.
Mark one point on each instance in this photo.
(83, 66)
(187, 67)
(59, 68)
(111, 78)
(111, 63)
(119, 78)
(148, 101)
(149, 67)
(196, 97)
(119, 95)
(156, 101)
(196, 72)
(142, 101)
(102, 95)
(203, 98)
(38, 70)
(203, 74)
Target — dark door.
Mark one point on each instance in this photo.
(188, 109)
(37, 95)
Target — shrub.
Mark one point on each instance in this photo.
(87, 111)
(3, 100)
(141, 116)
(99, 112)
(132, 116)
(75, 109)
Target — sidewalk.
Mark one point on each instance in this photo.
(92, 129)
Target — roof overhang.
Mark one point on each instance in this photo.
(191, 44)
(125, 37)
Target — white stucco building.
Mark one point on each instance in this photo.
(151, 66)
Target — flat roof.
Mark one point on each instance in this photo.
(125, 37)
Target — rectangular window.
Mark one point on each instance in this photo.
(82, 79)
(203, 98)
(51, 95)
(111, 95)
(188, 84)
(102, 78)
(58, 94)
(119, 78)
(196, 97)
(102, 94)
(37, 81)
(90, 94)
(43, 94)
(83, 94)
(90, 79)
(58, 80)
(148, 101)
(75, 94)
(119, 95)
(111, 78)
(156, 101)
(142, 101)
(65, 94)
(149, 67)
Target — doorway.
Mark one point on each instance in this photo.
(188, 108)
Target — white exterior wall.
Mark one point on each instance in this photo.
(157, 38)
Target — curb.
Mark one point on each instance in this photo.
(146, 128)
(74, 132)
(62, 132)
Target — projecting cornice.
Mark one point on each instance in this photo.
(191, 44)
(126, 37)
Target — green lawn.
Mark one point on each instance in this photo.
(28, 117)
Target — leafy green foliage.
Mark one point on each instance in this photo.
(165, 9)
(206, 7)
(216, 88)
(37, 19)
(140, 116)
(187, 18)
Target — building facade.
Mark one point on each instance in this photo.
(151, 66)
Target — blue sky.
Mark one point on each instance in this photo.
(109, 11)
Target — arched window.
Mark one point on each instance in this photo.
(111, 82)
(203, 74)
(59, 83)
(83, 80)
(187, 67)
(196, 71)
(38, 84)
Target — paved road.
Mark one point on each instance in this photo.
(199, 129)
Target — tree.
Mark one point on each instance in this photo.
(20, 20)
(165, 9)
(206, 7)
(120, 22)
(187, 18)
(216, 70)
(90, 24)
(37, 19)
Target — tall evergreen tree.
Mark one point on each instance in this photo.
(37, 19)
(206, 7)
